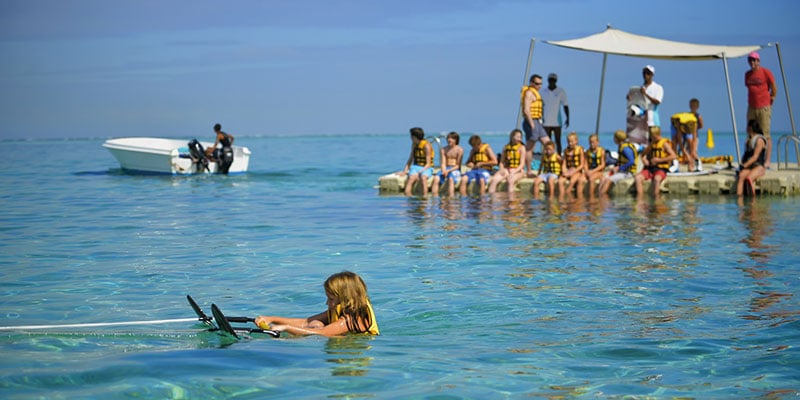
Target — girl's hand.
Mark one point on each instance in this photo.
(263, 322)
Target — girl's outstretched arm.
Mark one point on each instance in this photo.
(264, 321)
(337, 328)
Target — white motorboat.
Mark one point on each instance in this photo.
(172, 156)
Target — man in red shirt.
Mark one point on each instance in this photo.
(761, 91)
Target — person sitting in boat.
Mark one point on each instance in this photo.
(419, 166)
(627, 153)
(349, 311)
(656, 160)
(752, 166)
(512, 163)
(481, 160)
(223, 156)
(450, 175)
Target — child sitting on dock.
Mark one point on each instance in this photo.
(450, 174)
(512, 163)
(752, 165)
(419, 166)
(549, 170)
(656, 159)
(572, 167)
(627, 155)
(349, 311)
(596, 162)
(481, 160)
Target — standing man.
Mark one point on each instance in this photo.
(761, 91)
(554, 97)
(225, 156)
(532, 109)
(653, 95)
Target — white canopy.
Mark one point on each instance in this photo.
(615, 41)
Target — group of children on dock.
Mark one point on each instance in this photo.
(560, 173)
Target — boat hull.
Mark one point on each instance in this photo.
(167, 156)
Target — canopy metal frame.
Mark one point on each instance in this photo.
(662, 49)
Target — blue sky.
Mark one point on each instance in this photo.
(98, 68)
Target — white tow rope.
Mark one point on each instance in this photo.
(96, 324)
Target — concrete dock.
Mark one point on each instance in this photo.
(722, 181)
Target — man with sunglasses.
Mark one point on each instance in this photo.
(533, 111)
(761, 91)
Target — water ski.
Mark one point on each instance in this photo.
(636, 112)
(223, 323)
(199, 311)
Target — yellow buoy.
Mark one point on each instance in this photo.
(710, 139)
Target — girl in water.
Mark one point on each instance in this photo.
(349, 311)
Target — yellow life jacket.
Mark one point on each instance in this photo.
(594, 157)
(512, 155)
(419, 154)
(658, 150)
(623, 160)
(339, 312)
(551, 164)
(536, 105)
(574, 161)
(684, 122)
(480, 156)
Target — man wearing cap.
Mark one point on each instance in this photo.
(761, 91)
(653, 94)
(554, 97)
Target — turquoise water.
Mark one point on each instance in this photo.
(476, 298)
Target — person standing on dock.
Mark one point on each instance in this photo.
(653, 94)
(532, 110)
(554, 98)
(761, 92)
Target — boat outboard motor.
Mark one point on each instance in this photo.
(225, 159)
(198, 156)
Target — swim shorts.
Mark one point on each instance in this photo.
(650, 173)
(537, 133)
(416, 169)
(546, 177)
(477, 174)
(455, 174)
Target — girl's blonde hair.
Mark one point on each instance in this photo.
(351, 291)
(571, 134)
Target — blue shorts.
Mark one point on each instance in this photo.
(455, 174)
(537, 133)
(478, 174)
(418, 169)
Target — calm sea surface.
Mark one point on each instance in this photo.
(476, 297)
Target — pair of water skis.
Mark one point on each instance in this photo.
(221, 323)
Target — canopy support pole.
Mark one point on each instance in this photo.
(525, 80)
(730, 102)
(600, 99)
(788, 101)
